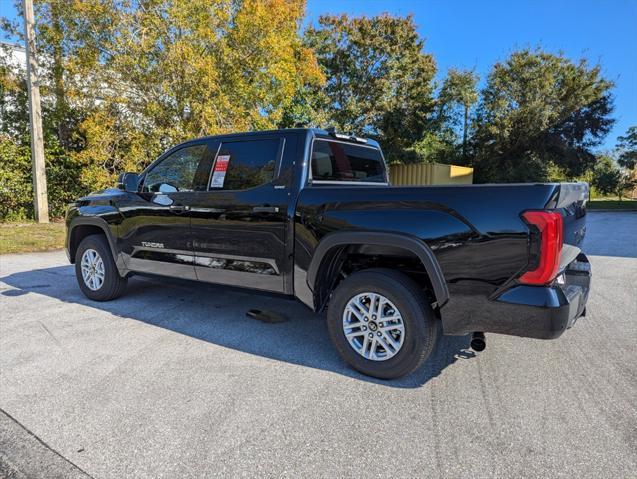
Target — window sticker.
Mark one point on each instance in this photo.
(219, 171)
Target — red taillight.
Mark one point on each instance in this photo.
(549, 225)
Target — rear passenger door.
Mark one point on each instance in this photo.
(238, 225)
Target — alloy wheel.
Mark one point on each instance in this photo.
(373, 326)
(92, 269)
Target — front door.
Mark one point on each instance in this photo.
(238, 225)
(155, 231)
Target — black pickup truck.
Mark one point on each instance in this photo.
(310, 213)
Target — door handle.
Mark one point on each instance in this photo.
(178, 208)
(265, 209)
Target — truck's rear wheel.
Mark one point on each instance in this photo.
(96, 271)
(381, 324)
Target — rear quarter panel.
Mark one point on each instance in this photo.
(475, 232)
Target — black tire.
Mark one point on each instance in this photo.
(420, 323)
(113, 285)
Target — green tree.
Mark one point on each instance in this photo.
(626, 183)
(379, 80)
(457, 96)
(16, 193)
(627, 149)
(128, 79)
(307, 108)
(606, 176)
(122, 81)
(169, 70)
(52, 23)
(538, 111)
(609, 179)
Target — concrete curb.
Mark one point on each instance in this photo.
(24, 455)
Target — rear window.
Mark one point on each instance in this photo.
(339, 161)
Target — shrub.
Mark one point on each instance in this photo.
(16, 187)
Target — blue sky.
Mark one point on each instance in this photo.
(476, 34)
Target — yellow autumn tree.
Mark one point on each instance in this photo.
(150, 73)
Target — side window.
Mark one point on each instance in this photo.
(339, 161)
(176, 172)
(244, 164)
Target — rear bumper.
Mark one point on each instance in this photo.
(543, 312)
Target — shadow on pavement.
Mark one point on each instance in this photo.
(217, 314)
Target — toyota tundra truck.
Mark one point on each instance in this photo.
(311, 213)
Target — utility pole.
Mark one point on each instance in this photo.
(40, 200)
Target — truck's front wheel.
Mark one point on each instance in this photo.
(381, 324)
(96, 271)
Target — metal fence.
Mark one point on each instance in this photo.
(430, 174)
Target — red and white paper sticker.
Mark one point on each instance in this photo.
(219, 171)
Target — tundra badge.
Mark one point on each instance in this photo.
(147, 244)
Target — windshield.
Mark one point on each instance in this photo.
(341, 161)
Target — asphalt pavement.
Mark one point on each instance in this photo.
(173, 380)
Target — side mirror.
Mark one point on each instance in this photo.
(128, 182)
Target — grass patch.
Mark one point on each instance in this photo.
(29, 237)
(611, 204)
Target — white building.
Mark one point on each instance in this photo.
(14, 55)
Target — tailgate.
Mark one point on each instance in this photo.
(571, 202)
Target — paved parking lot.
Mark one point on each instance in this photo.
(173, 380)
